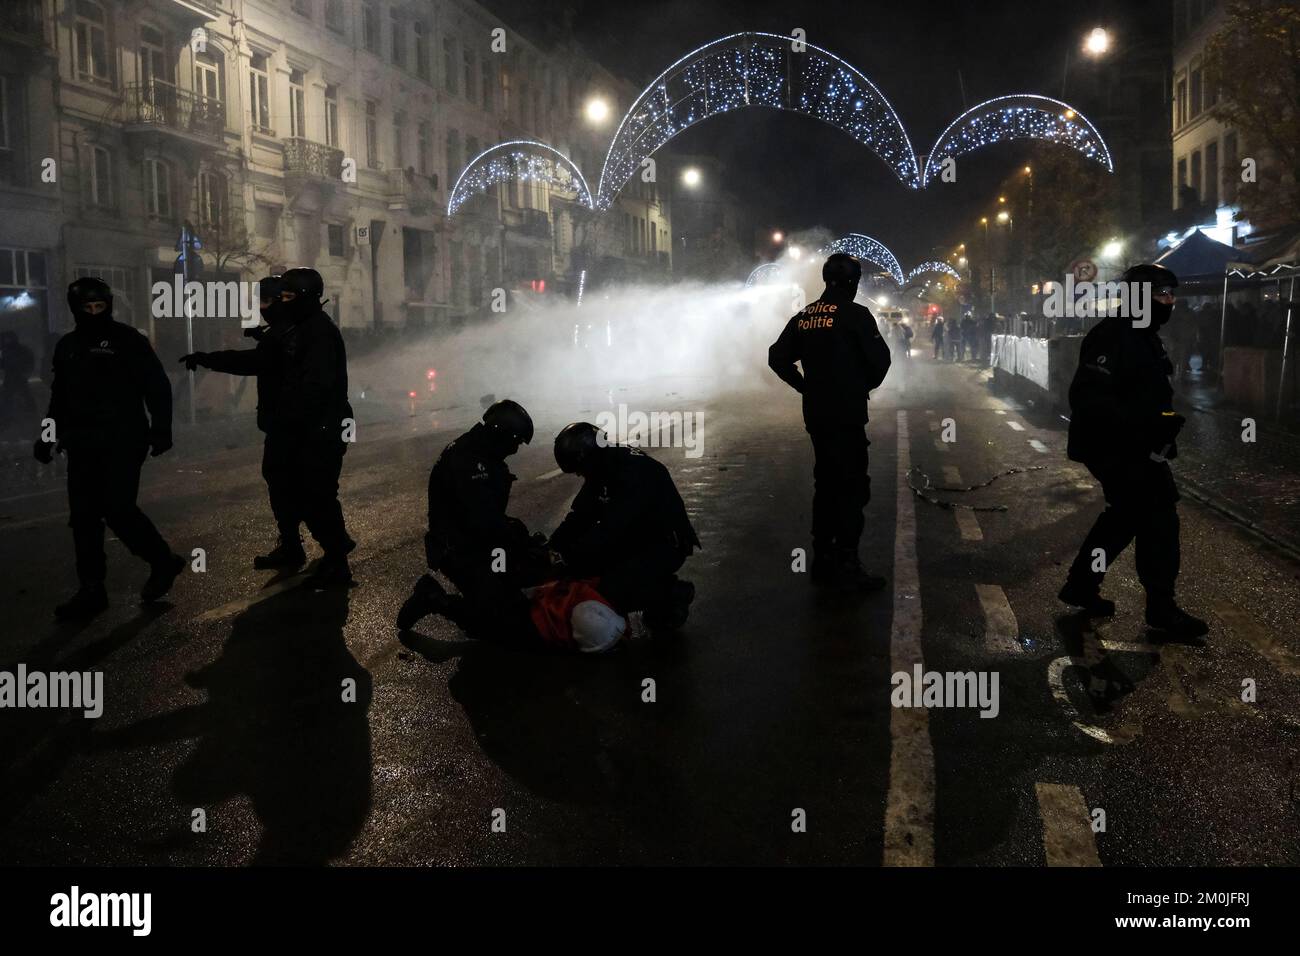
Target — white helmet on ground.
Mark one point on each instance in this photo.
(596, 627)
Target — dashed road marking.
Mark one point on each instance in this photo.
(1258, 637)
(550, 474)
(967, 525)
(244, 603)
(909, 805)
(1067, 832)
(999, 411)
(1036, 445)
(1001, 632)
(1016, 425)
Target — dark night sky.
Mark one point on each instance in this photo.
(802, 173)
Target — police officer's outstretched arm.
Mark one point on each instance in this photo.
(157, 388)
(576, 524)
(782, 355)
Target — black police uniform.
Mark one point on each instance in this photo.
(843, 358)
(1119, 396)
(265, 362)
(628, 526)
(469, 489)
(105, 377)
(306, 417)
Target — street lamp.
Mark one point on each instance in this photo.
(691, 177)
(795, 252)
(1004, 216)
(596, 111)
(1097, 42)
(1112, 249)
(778, 237)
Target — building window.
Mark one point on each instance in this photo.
(1197, 89)
(157, 188)
(485, 83)
(453, 155)
(259, 92)
(331, 116)
(335, 234)
(399, 38)
(450, 66)
(5, 142)
(1180, 103)
(399, 139)
(372, 134)
(297, 105)
(425, 159)
(469, 76)
(1196, 174)
(471, 149)
(90, 42)
(1212, 174)
(421, 50)
(155, 64)
(212, 199)
(207, 77)
(266, 220)
(101, 177)
(334, 16)
(370, 27)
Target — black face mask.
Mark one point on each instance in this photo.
(1161, 312)
(85, 320)
(272, 312)
(300, 307)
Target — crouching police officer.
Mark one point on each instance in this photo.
(486, 554)
(627, 527)
(1123, 427)
(106, 376)
(843, 358)
(265, 362)
(308, 419)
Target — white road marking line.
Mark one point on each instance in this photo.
(1001, 632)
(1067, 830)
(909, 804)
(999, 411)
(940, 445)
(967, 525)
(1016, 425)
(243, 604)
(1265, 643)
(550, 474)
(1036, 445)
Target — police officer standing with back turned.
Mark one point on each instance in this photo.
(106, 376)
(309, 414)
(1124, 428)
(627, 526)
(486, 553)
(265, 361)
(843, 358)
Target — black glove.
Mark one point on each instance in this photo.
(159, 442)
(194, 360)
(43, 451)
(1166, 430)
(256, 332)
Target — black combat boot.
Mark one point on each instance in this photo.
(1084, 595)
(671, 613)
(288, 553)
(161, 576)
(427, 598)
(332, 572)
(1167, 617)
(850, 576)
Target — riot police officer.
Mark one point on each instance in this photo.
(111, 405)
(265, 362)
(627, 527)
(844, 358)
(486, 553)
(1123, 428)
(309, 415)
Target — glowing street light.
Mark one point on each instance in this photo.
(778, 237)
(795, 252)
(597, 110)
(1004, 216)
(1097, 42)
(691, 177)
(1112, 249)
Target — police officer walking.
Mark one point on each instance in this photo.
(486, 554)
(106, 377)
(1124, 428)
(627, 526)
(308, 419)
(844, 358)
(265, 361)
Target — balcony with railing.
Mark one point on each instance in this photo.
(163, 106)
(412, 191)
(310, 160)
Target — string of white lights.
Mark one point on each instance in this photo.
(515, 160)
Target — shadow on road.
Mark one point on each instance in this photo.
(277, 729)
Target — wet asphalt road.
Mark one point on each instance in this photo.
(775, 697)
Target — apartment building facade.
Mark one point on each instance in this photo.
(295, 132)
(1207, 152)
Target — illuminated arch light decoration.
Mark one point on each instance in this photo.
(871, 250)
(755, 69)
(520, 159)
(1019, 116)
(925, 267)
(763, 274)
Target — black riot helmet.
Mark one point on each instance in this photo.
(509, 417)
(575, 446)
(90, 289)
(842, 273)
(1163, 282)
(306, 286)
(269, 289)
